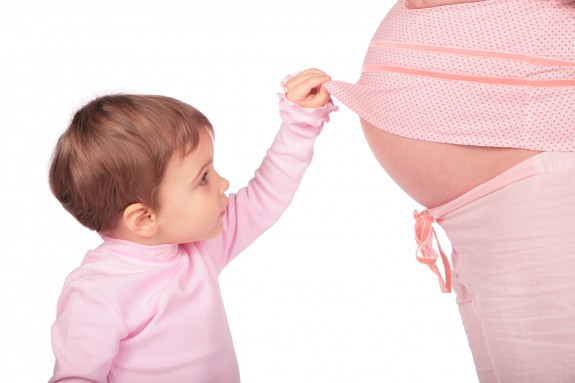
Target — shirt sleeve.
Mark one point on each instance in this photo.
(256, 207)
(85, 336)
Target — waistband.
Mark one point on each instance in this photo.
(425, 235)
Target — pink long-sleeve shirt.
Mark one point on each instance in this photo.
(133, 313)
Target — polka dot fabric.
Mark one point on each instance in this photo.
(495, 73)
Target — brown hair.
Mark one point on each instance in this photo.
(115, 151)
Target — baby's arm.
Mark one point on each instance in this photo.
(435, 3)
(303, 109)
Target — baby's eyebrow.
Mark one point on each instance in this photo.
(203, 168)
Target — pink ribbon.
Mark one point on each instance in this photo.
(425, 253)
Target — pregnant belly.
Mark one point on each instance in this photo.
(434, 173)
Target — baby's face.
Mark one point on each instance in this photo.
(192, 196)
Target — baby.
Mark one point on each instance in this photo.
(145, 306)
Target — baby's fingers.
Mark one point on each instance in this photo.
(305, 88)
(302, 77)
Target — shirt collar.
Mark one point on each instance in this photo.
(156, 253)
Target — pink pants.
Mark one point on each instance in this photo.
(513, 241)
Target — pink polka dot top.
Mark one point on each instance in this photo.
(497, 73)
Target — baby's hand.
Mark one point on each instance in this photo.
(305, 90)
(434, 3)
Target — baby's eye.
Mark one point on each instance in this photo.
(204, 179)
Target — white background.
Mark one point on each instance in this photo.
(333, 292)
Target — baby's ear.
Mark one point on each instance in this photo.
(140, 220)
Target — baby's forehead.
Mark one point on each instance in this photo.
(205, 137)
(196, 150)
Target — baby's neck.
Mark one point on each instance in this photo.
(122, 232)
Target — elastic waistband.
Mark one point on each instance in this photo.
(425, 235)
(541, 163)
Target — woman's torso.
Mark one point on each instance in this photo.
(435, 173)
(463, 114)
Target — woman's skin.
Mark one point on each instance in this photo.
(434, 173)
